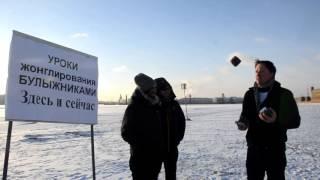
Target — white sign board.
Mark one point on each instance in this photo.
(50, 83)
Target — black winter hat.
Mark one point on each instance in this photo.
(162, 83)
(144, 82)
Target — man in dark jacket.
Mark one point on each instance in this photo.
(268, 110)
(141, 128)
(173, 126)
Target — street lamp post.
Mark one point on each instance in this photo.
(184, 87)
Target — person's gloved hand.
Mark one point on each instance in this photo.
(268, 115)
(241, 126)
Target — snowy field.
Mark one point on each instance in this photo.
(212, 148)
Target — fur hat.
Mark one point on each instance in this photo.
(144, 82)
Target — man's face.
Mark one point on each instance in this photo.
(263, 75)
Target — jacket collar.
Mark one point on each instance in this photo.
(274, 85)
(139, 96)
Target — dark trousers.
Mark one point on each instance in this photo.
(145, 166)
(170, 164)
(266, 159)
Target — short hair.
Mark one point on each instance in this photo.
(268, 64)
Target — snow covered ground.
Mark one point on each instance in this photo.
(212, 148)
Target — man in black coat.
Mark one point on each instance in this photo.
(141, 128)
(268, 110)
(173, 126)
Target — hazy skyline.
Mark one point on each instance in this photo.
(183, 41)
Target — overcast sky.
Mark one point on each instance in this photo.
(182, 40)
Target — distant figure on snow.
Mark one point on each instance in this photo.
(268, 110)
(173, 125)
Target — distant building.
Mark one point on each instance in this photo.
(228, 100)
(218, 100)
(2, 97)
(196, 101)
(315, 95)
